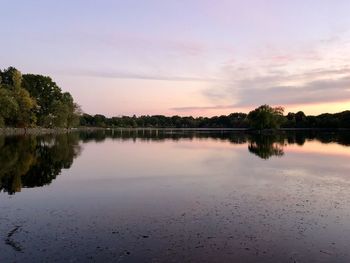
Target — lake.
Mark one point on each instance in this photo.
(175, 196)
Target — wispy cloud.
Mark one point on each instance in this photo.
(319, 91)
(248, 94)
(143, 76)
(314, 73)
(144, 43)
(203, 108)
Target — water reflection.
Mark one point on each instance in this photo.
(29, 161)
(290, 137)
(34, 161)
(266, 146)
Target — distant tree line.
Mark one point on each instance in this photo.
(34, 100)
(237, 120)
(263, 117)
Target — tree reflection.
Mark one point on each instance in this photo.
(28, 161)
(266, 146)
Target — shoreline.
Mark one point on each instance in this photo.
(41, 131)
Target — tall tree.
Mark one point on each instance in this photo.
(46, 93)
(16, 104)
(266, 117)
(26, 104)
(54, 108)
(8, 106)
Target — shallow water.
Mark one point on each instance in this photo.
(173, 196)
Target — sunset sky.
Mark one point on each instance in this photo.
(185, 57)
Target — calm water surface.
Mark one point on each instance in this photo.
(171, 196)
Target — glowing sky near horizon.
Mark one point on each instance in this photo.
(185, 57)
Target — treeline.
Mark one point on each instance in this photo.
(323, 121)
(34, 100)
(263, 117)
(237, 120)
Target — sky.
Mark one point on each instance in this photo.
(184, 57)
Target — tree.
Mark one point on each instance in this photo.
(300, 119)
(8, 106)
(54, 108)
(46, 93)
(73, 110)
(11, 77)
(266, 117)
(25, 116)
(16, 103)
(59, 114)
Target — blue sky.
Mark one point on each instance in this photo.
(184, 57)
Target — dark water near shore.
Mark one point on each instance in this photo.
(172, 196)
